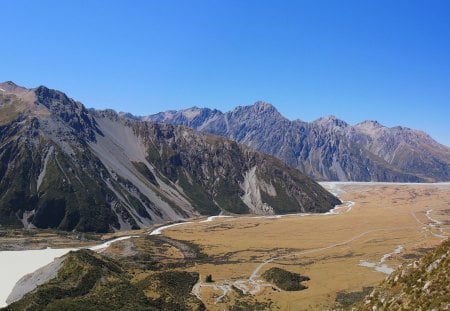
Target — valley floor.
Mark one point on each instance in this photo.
(378, 227)
(354, 246)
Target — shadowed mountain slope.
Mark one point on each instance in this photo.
(66, 167)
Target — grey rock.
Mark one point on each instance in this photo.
(30, 281)
(328, 148)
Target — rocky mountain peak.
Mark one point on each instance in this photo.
(194, 112)
(369, 124)
(127, 115)
(45, 94)
(10, 87)
(191, 117)
(331, 120)
(7, 85)
(260, 110)
(66, 112)
(262, 105)
(369, 127)
(58, 102)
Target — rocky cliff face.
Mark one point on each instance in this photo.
(63, 166)
(328, 148)
(419, 285)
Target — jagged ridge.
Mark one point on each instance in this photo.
(63, 166)
(328, 148)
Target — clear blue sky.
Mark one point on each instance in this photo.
(383, 60)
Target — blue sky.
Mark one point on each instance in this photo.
(358, 60)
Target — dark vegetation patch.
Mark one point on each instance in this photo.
(285, 280)
(411, 256)
(254, 254)
(424, 250)
(301, 262)
(68, 198)
(219, 227)
(226, 226)
(445, 211)
(282, 203)
(138, 207)
(347, 255)
(174, 289)
(228, 197)
(348, 299)
(144, 170)
(198, 196)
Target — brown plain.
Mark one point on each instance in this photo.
(326, 248)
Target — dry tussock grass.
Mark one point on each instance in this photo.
(328, 249)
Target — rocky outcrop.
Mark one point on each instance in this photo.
(66, 167)
(328, 148)
(30, 281)
(420, 285)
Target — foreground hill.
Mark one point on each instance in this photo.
(421, 285)
(85, 280)
(328, 148)
(63, 166)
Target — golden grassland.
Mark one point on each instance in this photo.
(236, 251)
(326, 248)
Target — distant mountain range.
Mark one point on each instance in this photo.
(326, 149)
(66, 167)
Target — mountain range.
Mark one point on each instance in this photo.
(327, 148)
(67, 167)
